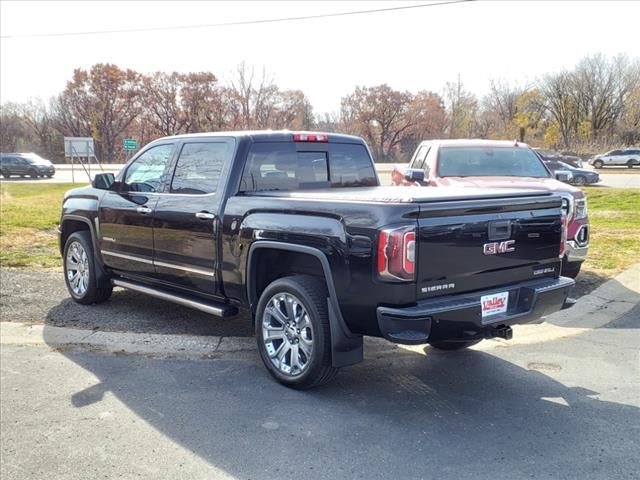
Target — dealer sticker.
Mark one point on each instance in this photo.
(494, 304)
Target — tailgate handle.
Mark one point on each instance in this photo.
(500, 230)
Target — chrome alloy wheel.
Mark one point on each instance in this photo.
(287, 334)
(77, 263)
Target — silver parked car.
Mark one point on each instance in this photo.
(627, 156)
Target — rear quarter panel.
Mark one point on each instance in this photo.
(345, 232)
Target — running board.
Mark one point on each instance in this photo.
(217, 309)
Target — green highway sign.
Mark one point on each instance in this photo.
(130, 144)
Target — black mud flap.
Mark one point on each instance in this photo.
(346, 347)
(103, 279)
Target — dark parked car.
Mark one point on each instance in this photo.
(295, 229)
(549, 155)
(25, 164)
(580, 176)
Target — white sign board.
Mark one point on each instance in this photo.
(78, 147)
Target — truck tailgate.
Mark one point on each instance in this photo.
(467, 246)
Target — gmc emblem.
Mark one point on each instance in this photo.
(499, 247)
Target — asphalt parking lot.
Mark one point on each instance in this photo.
(568, 408)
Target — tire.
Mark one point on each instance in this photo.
(5, 175)
(79, 258)
(307, 297)
(49, 175)
(579, 180)
(33, 174)
(571, 270)
(631, 163)
(598, 164)
(450, 345)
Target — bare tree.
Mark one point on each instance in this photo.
(602, 87)
(560, 101)
(629, 123)
(14, 132)
(199, 97)
(429, 120)
(463, 109)
(161, 107)
(503, 101)
(101, 103)
(255, 96)
(380, 115)
(39, 119)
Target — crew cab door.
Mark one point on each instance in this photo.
(186, 221)
(126, 213)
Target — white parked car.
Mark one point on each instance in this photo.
(628, 156)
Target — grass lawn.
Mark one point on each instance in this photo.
(30, 214)
(614, 215)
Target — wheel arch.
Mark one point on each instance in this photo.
(346, 347)
(70, 224)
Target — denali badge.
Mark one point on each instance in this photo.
(499, 247)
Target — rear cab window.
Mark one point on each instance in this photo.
(301, 166)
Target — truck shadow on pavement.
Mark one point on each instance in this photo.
(397, 415)
(134, 312)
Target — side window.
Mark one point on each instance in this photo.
(615, 152)
(430, 162)
(199, 167)
(145, 173)
(418, 161)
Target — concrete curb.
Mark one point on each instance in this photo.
(117, 342)
(605, 304)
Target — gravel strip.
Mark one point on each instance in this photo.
(38, 297)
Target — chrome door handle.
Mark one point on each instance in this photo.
(144, 210)
(205, 216)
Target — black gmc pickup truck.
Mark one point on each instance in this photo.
(294, 228)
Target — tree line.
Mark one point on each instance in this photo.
(594, 106)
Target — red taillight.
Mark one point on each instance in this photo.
(563, 236)
(310, 137)
(397, 254)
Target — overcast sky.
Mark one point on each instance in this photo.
(326, 58)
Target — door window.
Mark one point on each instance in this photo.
(145, 174)
(418, 163)
(199, 167)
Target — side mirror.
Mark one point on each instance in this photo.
(103, 181)
(564, 176)
(414, 175)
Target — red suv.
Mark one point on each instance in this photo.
(491, 164)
